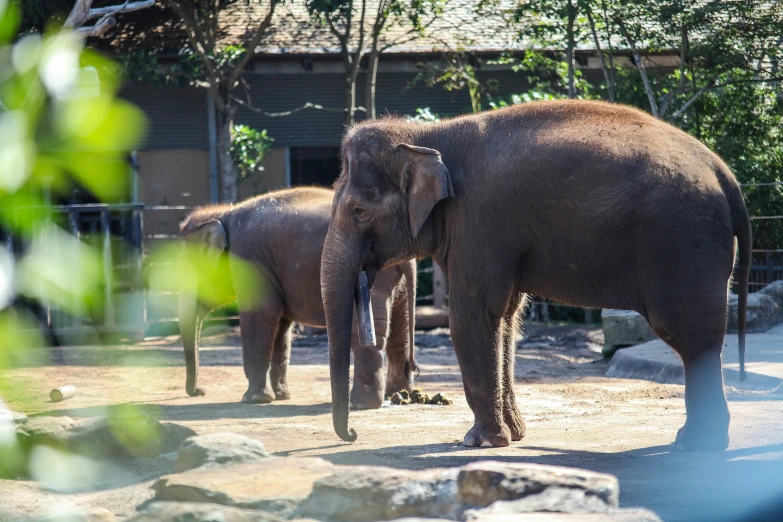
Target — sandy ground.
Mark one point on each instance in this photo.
(574, 417)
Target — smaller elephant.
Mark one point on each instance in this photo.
(282, 235)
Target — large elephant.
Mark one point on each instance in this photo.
(282, 235)
(588, 203)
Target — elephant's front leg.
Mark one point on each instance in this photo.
(476, 320)
(259, 330)
(511, 322)
(368, 372)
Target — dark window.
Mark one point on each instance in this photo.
(314, 166)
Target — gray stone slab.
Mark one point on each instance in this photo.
(656, 361)
(624, 328)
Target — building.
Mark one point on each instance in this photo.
(299, 63)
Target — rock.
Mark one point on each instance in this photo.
(774, 290)
(617, 515)
(277, 485)
(624, 328)
(199, 512)
(89, 515)
(429, 317)
(121, 436)
(764, 312)
(535, 487)
(218, 448)
(370, 493)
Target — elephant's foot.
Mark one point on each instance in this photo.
(282, 393)
(487, 436)
(363, 398)
(693, 437)
(258, 395)
(197, 392)
(398, 378)
(513, 419)
(398, 385)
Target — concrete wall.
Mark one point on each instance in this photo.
(172, 177)
(273, 176)
(181, 177)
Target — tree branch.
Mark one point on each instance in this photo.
(127, 7)
(640, 66)
(250, 51)
(604, 68)
(307, 105)
(665, 100)
(82, 12)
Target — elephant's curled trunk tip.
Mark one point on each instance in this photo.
(347, 434)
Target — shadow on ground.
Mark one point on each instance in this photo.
(723, 486)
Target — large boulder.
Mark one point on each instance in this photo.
(624, 328)
(216, 449)
(106, 437)
(277, 485)
(774, 290)
(370, 493)
(365, 493)
(764, 312)
(199, 512)
(430, 317)
(520, 488)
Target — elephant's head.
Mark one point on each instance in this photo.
(200, 261)
(383, 200)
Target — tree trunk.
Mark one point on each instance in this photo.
(229, 175)
(372, 70)
(570, 49)
(350, 98)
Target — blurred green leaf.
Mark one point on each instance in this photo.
(9, 20)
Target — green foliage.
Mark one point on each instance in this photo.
(248, 148)
(456, 71)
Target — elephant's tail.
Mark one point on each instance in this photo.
(744, 234)
(410, 280)
(744, 241)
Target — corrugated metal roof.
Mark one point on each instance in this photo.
(177, 115)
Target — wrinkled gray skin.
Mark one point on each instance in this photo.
(282, 234)
(590, 204)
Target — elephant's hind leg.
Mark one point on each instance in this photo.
(278, 372)
(697, 336)
(259, 326)
(399, 375)
(511, 413)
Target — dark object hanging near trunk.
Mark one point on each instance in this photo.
(364, 312)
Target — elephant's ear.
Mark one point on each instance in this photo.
(212, 241)
(428, 182)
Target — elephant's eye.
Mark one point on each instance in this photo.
(361, 215)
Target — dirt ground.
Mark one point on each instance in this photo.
(575, 417)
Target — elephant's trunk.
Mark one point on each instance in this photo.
(340, 265)
(191, 316)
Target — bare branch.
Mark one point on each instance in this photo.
(307, 105)
(250, 51)
(127, 7)
(82, 12)
(640, 65)
(604, 68)
(665, 100)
